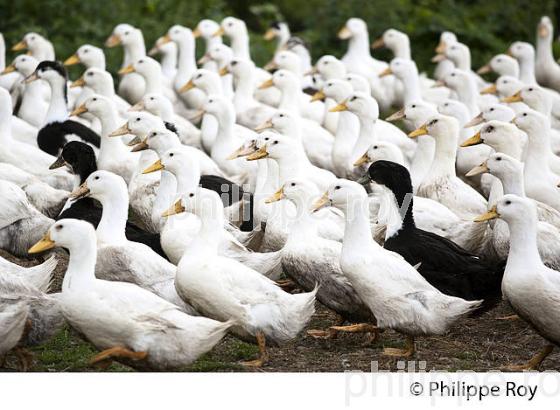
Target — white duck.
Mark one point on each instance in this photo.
(260, 308)
(123, 320)
(547, 70)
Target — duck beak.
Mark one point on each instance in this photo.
(81, 192)
(188, 86)
(79, 110)
(127, 70)
(197, 33)
(164, 39)
(513, 98)
(379, 43)
(134, 141)
(220, 32)
(60, 162)
(484, 69)
(31, 78)
(269, 35)
(44, 244)
(267, 84)
(139, 106)
(491, 89)
(9, 69)
(321, 202)
(175, 209)
(278, 196)
(364, 159)
(73, 59)
(318, 96)
(122, 130)
(153, 51)
(385, 72)
(480, 169)
(205, 58)
(224, 71)
(423, 130)
(80, 82)
(438, 57)
(113, 41)
(141, 146)
(491, 214)
(344, 33)
(258, 154)
(270, 66)
(475, 121)
(22, 45)
(340, 107)
(474, 140)
(156, 166)
(243, 151)
(441, 47)
(396, 116)
(438, 83)
(265, 125)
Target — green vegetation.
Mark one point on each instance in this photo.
(486, 26)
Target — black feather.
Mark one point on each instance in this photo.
(447, 266)
(52, 137)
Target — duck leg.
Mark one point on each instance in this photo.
(535, 361)
(326, 334)
(263, 354)
(357, 328)
(25, 358)
(406, 352)
(117, 351)
(287, 285)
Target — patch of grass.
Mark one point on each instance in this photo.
(67, 352)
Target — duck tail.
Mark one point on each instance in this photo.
(301, 309)
(40, 276)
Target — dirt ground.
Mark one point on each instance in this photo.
(480, 344)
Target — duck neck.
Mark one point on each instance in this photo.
(544, 51)
(523, 249)
(169, 62)
(512, 183)
(366, 137)
(468, 95)
(358, 45)
(134, 52)
(58, 111)
(153, 81)
(290, 168)
(411, 83)
(80, 273)
(443, 164)
(527, 70)
(357, 230)
(240, 46)
(188, 178)
(111, 228)
(226, 123)
(290, 98)
(304, 225)
(110, 146)
(207, 240)
(165, 195)
(344, 141)
(243, 98)
(187, 62)
(105, 88)
(402, 50)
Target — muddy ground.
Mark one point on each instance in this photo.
(481, 344)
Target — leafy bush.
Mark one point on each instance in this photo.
(488, 27)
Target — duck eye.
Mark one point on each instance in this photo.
(375, 147)
(499, 60)
(491, 109)
(530, 89)
(59, 227)
(86, 51)
(508, 202)
(152, 98)
(94, 98)
(293, 184)
(171, 154)
(137, 118)
(140, 61)
(234, 63)
(413, 105)
(126, 33)
(275, 142)
(499, 159)
(490, 129)
(326, 62)
(282, 115)
(198, 76)
(453, 75)
(267, 138)
(191, 195)
(89, 74)
(337, 187)
(353, 98)
(96, 177)
(524, 114)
